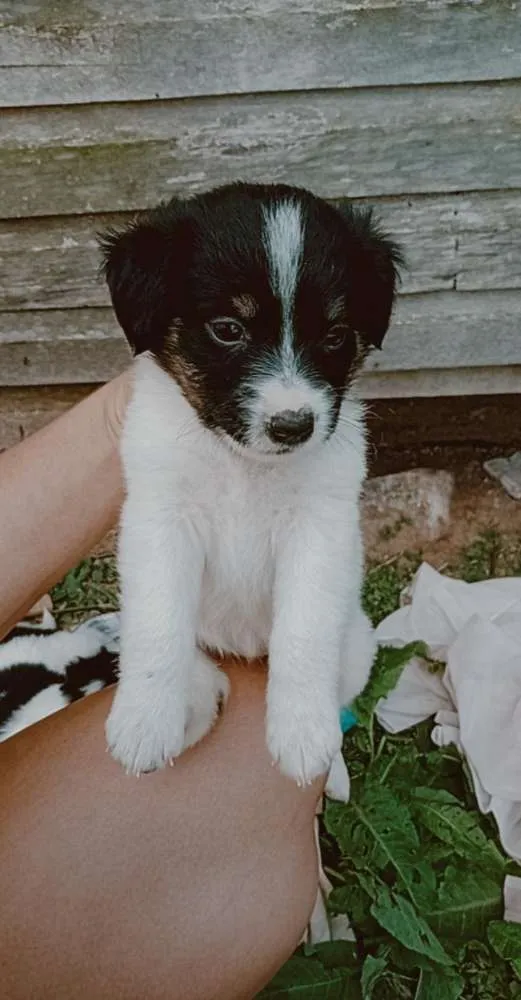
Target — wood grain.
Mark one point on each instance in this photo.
(414, 105)
(443, 382)
(344, 144)
(452, 330)
(60, 346)
(70, 53)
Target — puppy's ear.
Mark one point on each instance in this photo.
(374, 262)
(139, 263)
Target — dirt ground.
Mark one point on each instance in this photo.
(457, 435)
(479, 507)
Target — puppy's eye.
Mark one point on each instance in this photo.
(335, 338)
(226, 331)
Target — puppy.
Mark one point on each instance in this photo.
(251, 309)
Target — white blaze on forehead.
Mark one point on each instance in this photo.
(284, 242)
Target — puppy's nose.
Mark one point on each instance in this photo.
(291, 427)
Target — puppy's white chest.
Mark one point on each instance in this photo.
(245, 525)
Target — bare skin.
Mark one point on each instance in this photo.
(193, 883)
(60, 491)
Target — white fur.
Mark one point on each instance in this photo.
(222, 550)
(44, 703)
(284, 242)
(277, 388)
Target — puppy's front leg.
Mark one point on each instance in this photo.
(161, 565)
(313, 591)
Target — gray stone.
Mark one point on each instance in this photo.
(508, 472)
(420, 498)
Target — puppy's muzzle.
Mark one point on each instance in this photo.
(291, 427)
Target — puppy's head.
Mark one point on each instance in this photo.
(260, 301)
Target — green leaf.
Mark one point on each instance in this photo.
(386, 672)
(375, 830)
(398, 916)
(442, 814)
(372, 971)
(340, 900)
(439, 984)
(354, 901)
(306, 979)
(505, 938)
(467, 900)
(410, 961)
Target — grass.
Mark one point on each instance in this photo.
(416, 867)
(89, 589)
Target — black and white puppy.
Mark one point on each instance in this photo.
(252, 309)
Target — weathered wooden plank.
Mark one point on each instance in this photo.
(61, 14)
(487, 381)
(52, 263)
(471, 242)
(349, 144)
(60, 346)
(444, 331)
(452, 330)
(75, 52)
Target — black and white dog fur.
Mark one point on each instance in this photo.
(43, 670)
(251, 309)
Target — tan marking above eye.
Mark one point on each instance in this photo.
(245, 305)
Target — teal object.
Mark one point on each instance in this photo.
(348, 719)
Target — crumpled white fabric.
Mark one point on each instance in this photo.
(475, 629)
(322, 925)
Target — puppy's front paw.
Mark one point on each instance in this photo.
(209, 689)
(145, 730)
(302, 738)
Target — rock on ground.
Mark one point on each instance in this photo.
(418, 498)
(508, 472)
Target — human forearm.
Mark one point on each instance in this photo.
(60, 492)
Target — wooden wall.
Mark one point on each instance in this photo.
(110, 105)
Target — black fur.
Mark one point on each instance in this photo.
(103, 668)
(20, 683)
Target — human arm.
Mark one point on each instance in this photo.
(60, 491)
